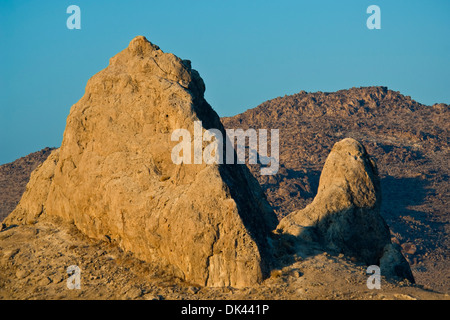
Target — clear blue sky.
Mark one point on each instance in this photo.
(246, 51)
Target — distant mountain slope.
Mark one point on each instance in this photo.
(14, 177)
(409, 140)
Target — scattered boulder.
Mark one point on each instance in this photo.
(345, 215)
(393, 264)
(409, 248)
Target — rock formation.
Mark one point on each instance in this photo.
(344, 216)
(14, 177)
(114, 179)
(208, 224)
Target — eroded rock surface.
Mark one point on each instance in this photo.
(345, 214)
(114, 178)
(14, 177)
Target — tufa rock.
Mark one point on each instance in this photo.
(14, 177)
(32, 203)
(345, 214)
(113, 175)
(393, 264)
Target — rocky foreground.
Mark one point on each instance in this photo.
(34, 261)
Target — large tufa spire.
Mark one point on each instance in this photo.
(345, 216)
(113, 176)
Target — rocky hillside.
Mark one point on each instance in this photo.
(14, 177)
(409, 140)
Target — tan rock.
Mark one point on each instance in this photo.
(113, 175)
(345, 214)
(32, 203)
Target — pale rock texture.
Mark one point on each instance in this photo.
(345, 214)
(113, 176)
(35, 196)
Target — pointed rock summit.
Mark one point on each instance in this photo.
(113, 176)
(345, 216)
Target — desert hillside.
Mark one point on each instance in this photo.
(409, 140)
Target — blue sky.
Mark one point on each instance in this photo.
(246, 51)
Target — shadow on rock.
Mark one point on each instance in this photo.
(344, 217)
